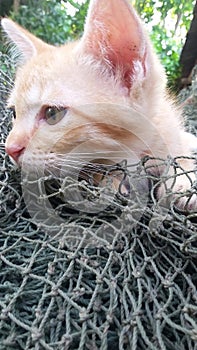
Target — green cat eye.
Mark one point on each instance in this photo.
(53, 115)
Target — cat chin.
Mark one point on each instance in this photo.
(100, 172)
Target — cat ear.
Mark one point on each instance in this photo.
(27, 44)
(114, 34)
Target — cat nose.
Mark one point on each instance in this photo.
(14, 151)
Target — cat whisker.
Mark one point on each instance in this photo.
(67, 166)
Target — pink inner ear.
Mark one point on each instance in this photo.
(114, 35)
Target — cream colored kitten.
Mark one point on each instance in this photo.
(104, 96)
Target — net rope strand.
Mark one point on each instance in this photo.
(138, 291)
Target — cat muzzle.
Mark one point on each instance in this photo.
(15, 151)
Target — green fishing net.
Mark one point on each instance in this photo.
(124, 277)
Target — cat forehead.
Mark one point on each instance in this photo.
(60, 77)
(45, 75)
(48, 64)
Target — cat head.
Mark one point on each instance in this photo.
(89, 90)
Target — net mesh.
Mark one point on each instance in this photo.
(123, 278)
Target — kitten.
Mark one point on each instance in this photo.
(103, 96)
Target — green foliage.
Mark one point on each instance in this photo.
(169, 52)
(172, 19)
(51, 21)
(5, 6)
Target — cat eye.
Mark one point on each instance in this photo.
(53, 115)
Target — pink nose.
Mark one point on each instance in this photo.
(15, 151)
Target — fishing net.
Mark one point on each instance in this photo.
(123, 277)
